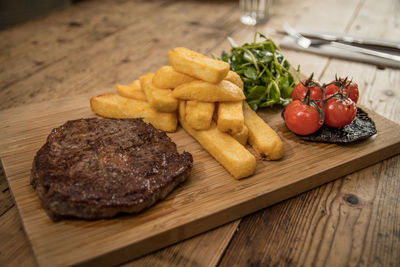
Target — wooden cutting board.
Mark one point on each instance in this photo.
(211, 197)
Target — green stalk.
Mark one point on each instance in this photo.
(266, 76)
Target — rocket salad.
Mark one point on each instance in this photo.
(264, 71)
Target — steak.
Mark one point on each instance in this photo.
(98, 168)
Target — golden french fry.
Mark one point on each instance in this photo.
(225, 149)
(265, 141)
(182, 109)
(230, 117)
(116, 106)
(197, 65)
(160, 99)
(233, 77)
(199, 114)
(131, 92)
(167, 77)
(209, 92)
(242, 136)
(136, 85)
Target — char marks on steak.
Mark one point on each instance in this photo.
(97, 168)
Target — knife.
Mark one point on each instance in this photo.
(366, 51)
(326, 38)
(305, 43)
(368, 43)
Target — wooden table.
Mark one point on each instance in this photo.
(94, 45)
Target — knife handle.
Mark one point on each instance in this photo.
(366, 51)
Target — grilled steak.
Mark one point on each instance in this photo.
(97, 168)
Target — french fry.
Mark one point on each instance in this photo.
(209, 92)
(242, 136)
(233, 77)
(136, 85)
(230, 117)
(199, 114)
(131, 92)
(197, 65)
(225, 149)
(116, 106)
(182, 109)
(167, 77)
(265, 141)
(160, 99)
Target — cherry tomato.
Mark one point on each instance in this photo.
(300, 91)
(339, 113)
(352, 88)
(301, 118)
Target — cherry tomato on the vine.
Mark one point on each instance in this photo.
(300, 91)
(339, 112)
(301, 118)
(352, 88)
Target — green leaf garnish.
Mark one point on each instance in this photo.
(264, 70)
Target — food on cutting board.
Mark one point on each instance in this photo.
(159, 99)
(116, 106)
(136, 85)
(167, 77)
(339, 112)
(265, 141)
(346, 86)
(328, 112)
(209, 92)
(361, 128)
(230, 117)
(197, 65)
(302, 118)
(208, 99)
(133, 91)
(313, 105)
(199, 114)
(266, 73)
(98, 168)
(300, 90)
(225, 149)
(242, 136)
(233, 77)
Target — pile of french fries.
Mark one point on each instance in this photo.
(207, 99)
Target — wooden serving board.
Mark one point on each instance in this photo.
(211, 197)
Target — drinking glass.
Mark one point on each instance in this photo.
(254, 11)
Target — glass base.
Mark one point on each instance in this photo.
(254, 11)
(248, 20)
(251, 20)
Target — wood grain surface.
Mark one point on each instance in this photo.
(91, 46)
(211, 197)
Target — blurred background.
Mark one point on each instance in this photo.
(14, 12)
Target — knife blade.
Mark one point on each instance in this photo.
(381, 45)
(357, 41)
(366, 51)
(305, 43)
